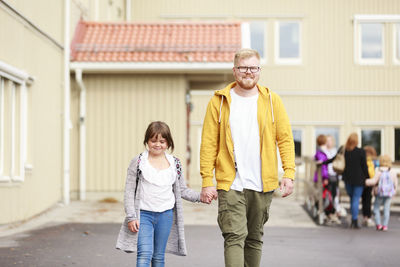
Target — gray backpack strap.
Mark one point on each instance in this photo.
(178, 167)
(138, 172)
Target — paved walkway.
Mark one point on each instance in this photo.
(285, 212)
(84, 234)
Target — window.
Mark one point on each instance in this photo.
(369, 38)
(370, 50)
(372, 138)
(372, 41)
(397, 144)
(396, 43)
(257, 38)
(13, 106)
(297, 137)
(287, 42)
(332, 131)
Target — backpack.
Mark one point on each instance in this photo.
(339, 163)
(386, 185)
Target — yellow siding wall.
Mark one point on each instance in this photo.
(27, 50)
(48, 15)
(119, 109)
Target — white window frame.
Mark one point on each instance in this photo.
(18, 80)
(361, 18)
(382, 130)
(287, 61)
(369, 61)
(246, 39)
(396, 43)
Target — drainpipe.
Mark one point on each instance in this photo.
(67, 122)
(128, 6)
(82, 134)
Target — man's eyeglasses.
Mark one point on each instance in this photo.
(244, 69)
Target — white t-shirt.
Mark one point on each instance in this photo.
(246, 142)
(157, 194)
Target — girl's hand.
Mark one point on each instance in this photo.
(134, 226)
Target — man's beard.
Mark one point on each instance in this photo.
(247, 84)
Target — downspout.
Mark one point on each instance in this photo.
(67, 122)
(128, 6)
(82, 134)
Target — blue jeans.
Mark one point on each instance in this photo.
(355, 192)
(153, 236)
(386, 210)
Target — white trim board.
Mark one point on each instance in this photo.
(338, 93)
(317, 123)
(315, 93)
(376, 123)
(379, 18)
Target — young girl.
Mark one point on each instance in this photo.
(385, 182)
(152, 200)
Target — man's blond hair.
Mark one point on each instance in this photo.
(245, 53)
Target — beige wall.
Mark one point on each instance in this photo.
(48, 15)
(25, 49)
(119, 109)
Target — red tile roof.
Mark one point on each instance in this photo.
(156, 42)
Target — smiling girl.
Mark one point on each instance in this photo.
(153, 191)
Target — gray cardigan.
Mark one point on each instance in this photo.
(127, 240)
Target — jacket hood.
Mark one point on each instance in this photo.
(225, 93)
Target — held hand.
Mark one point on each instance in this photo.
(208, 194)
(134, 226)
(286, 187)
(326, 182)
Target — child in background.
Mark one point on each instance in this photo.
(328, 186)
(367, 193)
(385, 182)
(152, 200)
(331, 152)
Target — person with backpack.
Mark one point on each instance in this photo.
(385, 186)
(153, 191)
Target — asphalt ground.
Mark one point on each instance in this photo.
(84, 233)
(88, 244)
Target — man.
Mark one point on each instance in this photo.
(243, 126)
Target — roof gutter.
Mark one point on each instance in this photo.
(152, 67)
(67, 122)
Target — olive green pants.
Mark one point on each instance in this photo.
(241, 218)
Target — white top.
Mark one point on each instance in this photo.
(157, 185)
(330, 153)
(246, 142)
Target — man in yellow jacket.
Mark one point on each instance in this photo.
(243, 126)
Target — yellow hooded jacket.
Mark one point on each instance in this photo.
(216, 150)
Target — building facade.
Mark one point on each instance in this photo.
(31, 110)
(336, 65)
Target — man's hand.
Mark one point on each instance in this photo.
(208, 194)
(286, 187)
(134, 226)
